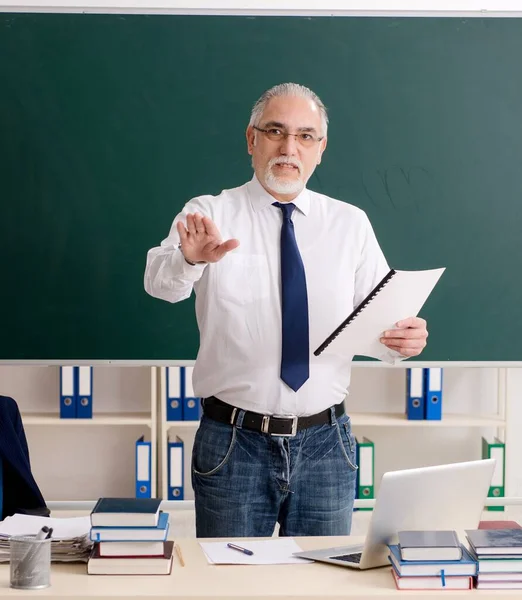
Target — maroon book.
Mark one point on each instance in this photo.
(499, 525)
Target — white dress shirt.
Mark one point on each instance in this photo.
(238, 299)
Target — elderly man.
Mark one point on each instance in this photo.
(275, 268)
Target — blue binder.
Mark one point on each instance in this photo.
(433, 401)
(175, 468)
(84, 398)
(173, 394)
(143, 468)
(415, 394)
(68, 396)
(191, 404)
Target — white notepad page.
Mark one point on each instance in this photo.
(277, 551)
(402, 297)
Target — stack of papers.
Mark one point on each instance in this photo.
(70, 538)
(265, 552)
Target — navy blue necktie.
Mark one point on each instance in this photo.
(295, 368)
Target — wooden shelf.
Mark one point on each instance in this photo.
(449, 420)
(97, 419)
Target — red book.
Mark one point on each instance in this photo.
(131, 565)
(499, 525)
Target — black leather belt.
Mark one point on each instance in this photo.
(282, 426)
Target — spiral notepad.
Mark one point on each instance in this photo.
(399, 295)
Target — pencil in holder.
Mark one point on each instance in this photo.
(30, 562)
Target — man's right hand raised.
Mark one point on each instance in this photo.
(201, 241)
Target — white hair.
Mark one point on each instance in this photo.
(288, 89)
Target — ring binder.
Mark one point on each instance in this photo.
(398, 296)
(358, 310)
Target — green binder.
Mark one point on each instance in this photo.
(366, 472)
(495, 449)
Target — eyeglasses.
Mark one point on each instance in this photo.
(304, 138)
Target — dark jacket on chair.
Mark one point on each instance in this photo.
(20, 490)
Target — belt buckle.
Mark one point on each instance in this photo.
(266, 422)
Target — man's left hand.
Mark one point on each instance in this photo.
(409, 339)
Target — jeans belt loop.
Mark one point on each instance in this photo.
(265, 422)
(240, 417)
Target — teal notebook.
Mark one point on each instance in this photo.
(125, 512)
(133, 534)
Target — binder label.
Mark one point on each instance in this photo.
(174, 387)
(498, 474)
(67, 381)
(85, 381)
(176, 470)
(416, 383)
(143, 452)
(365, 466)
(435, 380)
(189, 390)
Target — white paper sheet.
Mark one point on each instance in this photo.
(266, 552)
(63, 529)
(402, 297)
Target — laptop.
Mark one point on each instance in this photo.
(441, 497)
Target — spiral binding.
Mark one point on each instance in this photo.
(356, 312)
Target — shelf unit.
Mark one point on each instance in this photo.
(181, 428)
(110, 419)
(124, 408)
(119, 411)
(495, 418)
(400, 420)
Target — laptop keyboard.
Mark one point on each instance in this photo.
(353, 558)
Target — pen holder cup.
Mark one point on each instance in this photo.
(30, 561)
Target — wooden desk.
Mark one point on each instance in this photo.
(200, 581)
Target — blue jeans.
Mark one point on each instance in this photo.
(245, 482)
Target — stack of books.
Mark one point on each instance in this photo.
(428, 560)
(498, 553)
(130, 538)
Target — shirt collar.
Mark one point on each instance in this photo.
(260, 198)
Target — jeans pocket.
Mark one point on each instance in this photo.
(347, 440)
(213, 445)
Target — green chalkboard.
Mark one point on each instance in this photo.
(110, 123)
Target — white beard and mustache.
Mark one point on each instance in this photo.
(283, 186)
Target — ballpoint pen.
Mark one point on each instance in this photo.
(240, 549)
